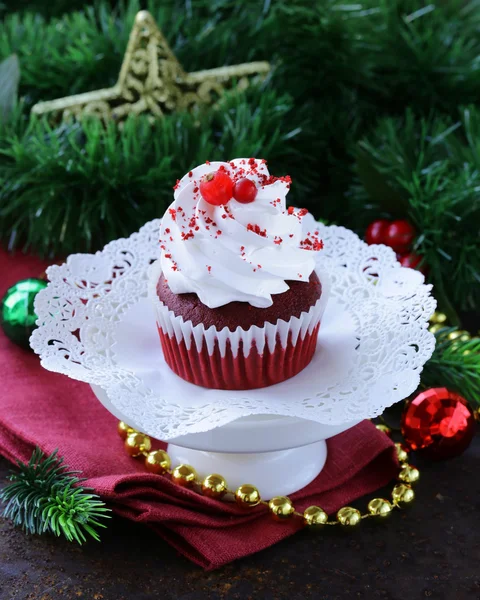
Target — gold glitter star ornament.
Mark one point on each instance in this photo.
(152, 82)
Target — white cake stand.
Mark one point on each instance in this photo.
(96, 324)
(259, 449)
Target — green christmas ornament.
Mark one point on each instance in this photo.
(17, 316)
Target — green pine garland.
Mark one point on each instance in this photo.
(45, 497)
(427, 170)
(455, 364)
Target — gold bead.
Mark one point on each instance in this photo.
(214, 486)
(379, 507)
(348, 516)
(402, 452)
(281, 508)
(247, 495)
(435, 328)
(157, 462)
(384, 428)
(137, 443)
(459, 335)
(315, 516)
(409, 474)
(439, 318)
(184, 475)
(124, 430)
(476, 414)
(402, 493)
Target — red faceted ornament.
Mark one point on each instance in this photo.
(375, 233)
(399, 235)
(438, 423)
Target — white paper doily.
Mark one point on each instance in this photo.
(95, 325)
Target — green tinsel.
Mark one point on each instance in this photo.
(45, 497)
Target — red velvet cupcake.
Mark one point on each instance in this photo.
(238, 302)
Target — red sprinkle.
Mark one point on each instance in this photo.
(269, 179)
(256, 229)
(290, 210)
(173, 213)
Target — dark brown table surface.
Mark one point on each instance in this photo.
(431, 550)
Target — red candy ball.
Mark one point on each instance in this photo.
(375, 233)
(438, 423)
(217, 188)
(399, 235)
(411, 260)
(245, 191)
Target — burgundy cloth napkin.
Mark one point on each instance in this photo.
(41, 408)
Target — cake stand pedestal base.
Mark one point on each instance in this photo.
(263, 450)
(277, 473)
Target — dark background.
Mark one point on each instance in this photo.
(431, 550)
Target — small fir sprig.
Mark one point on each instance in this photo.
(456, 365)
(45, 497)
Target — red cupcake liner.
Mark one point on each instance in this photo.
(240, 372)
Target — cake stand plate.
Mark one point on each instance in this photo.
(96, 324)
(276, 445)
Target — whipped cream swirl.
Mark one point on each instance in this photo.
(236, 252)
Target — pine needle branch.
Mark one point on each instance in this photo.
(45, 497)
(455, 364)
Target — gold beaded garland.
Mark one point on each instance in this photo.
(184, 475)
(379, 507)
(439, 318)
(435, 328)
(214, 486)
(314, 516)
(157, 462)
(247, 496)
(384, 428)
(409, 474)
(402, 494)
(281, 508)
(402, 452)
(477, 415)
(459, 335)
(137, 443)
(124, 430)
